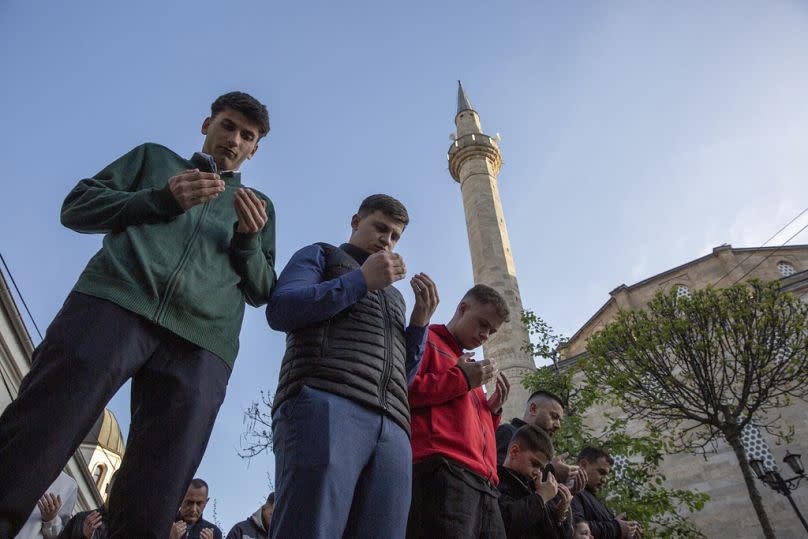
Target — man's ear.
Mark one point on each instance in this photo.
(355, 221)
(255, 149)
(205, 125)
(514, 449)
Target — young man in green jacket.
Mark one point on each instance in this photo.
(185, 246)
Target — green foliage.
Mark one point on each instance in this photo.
(640, 492)
(706, 365)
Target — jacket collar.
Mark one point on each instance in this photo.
(507, 473)
(358, 254)
(446, 336)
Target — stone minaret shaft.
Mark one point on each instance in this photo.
(474, 162)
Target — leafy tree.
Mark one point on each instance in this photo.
(640, 492)
(707, 366)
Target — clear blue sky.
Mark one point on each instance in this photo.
(635, 136)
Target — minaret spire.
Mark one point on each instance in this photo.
(463, 102)
(474, 162)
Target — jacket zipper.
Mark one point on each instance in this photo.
(387, 352)
(173, 280)
(482, 428)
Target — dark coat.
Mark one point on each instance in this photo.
(586, 506)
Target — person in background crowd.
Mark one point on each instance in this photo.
(340, 417)
(544, 410)
(454, 491)
(527, 485)
(582, 531)
(257, 526)
(586, 505)
(53, 510)
(162, 302)
(189, 523)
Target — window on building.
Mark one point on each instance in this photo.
(98, 474)
(682, 291)
(785, 269)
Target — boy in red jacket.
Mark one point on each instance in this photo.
(454, 484)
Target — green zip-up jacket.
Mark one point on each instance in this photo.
(187, 271)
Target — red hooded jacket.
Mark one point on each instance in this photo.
(447, 418)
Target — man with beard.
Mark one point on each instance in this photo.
(544, 410)
(586, 506)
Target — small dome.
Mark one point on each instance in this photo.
(106, 433)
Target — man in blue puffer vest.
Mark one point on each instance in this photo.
(340, 419)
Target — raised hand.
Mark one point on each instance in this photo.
(251, 211)
(382, 269)
(477, 372)
(207, 533)
(500, 394)
(91, 523)
(546, 489)
(564, 504)
(178, 529)
(580, 481)
(426, 300)
(629, 529)
(193, 187)
(49, 506)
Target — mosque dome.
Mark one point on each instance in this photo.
(106, 433)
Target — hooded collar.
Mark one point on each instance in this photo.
(258, 519)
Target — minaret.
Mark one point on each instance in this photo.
(474, 162)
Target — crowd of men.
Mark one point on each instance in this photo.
(381, 425)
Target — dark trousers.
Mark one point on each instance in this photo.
(341, 470)
(91, 348)
(450, 501)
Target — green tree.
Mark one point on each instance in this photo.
(705, 367)
(640, 492)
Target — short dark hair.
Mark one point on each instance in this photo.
(385, 204)
(488, 296)
(271, 498)
(532, 438)
(542, 394)
(199, 483)
(592, 454)
(246, 104)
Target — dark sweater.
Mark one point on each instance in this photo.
(525, 513)
(187, 271)
(586, 506)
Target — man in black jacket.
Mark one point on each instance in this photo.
(527, 484)
(586, 505)
(544, 410)
(190, 524)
